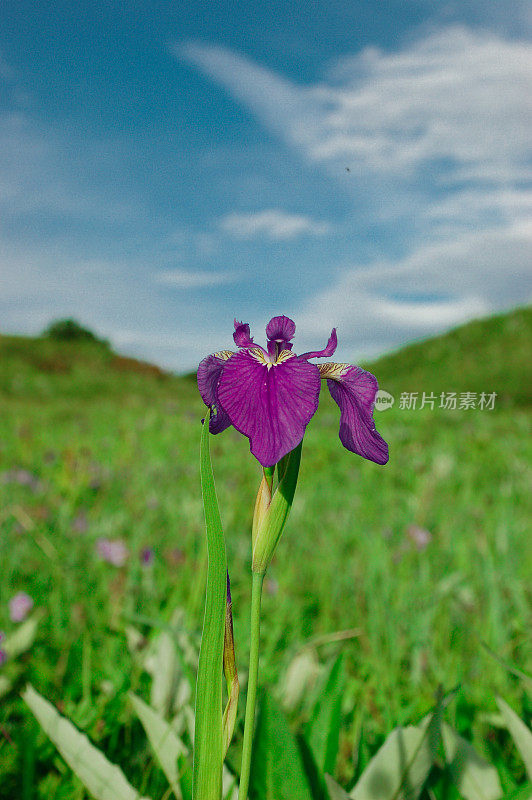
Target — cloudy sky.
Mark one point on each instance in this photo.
(166, 166)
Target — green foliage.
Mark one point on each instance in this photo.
(68, 330)
(272, 524)
(323, 732)
(208, 739)
(277, 768)
(112, 452)
(281, 765)
(474, 777)
(104, 780)
(399, 769)
(167, 747)
(521, 735)
(487, 355)
(335, 792)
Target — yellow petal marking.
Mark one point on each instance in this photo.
(258, 354)
(225, 355)
(331, 371)
(284, 355)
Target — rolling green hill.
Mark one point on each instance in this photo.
(487, 355)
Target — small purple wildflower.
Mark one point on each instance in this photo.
(272, 586)
(270, 395)
(22, 477)
(20, 606)
(114, 551)
(3, 654)
(146, 556)
(420, 537)
(80, 523)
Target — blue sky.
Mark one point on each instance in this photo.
(167, 166)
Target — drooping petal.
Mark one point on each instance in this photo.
(281, 329)
(328, 351)
(354, 390)
(209, 372)
(271, 404)
(242, 335)
(219, 420)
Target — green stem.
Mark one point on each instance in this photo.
(256, 596)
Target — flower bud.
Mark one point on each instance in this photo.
(271, 512)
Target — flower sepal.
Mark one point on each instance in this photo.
(270, 518)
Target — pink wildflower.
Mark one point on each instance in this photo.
(20, 606)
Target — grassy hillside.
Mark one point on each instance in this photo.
(82, 369)
(421, 560)
(487, 355)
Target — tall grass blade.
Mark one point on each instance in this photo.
(208, 739)
(323, 734)
(519, 732)
(335, 792)
(104, 781)
(166, 746)
(399, 769)
(473, 776)
(277, 770)
(23, 636)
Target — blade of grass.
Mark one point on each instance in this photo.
(208, 740)
(104, 780)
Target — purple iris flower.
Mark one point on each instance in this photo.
(270, 395)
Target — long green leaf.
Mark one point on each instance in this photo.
(166, 746)
(473, 776)
(171, 752)
(323, 734)
(335, 791)
(23, 636)
(399, 769)
(208, 740)
(105, 781)
(162, 663)
(277, 770)
(521, 735)
(523, 793)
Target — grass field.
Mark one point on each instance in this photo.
(423, 560)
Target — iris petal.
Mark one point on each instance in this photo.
(209, 372)
(328, 350)
(242, 335)
(281, 329)
(271, 404)
(354, 390)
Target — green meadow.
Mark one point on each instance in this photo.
(419, 572)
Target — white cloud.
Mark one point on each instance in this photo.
(384, 304)
(273, 223)
(459, 94)
(436, 136)
(113, 298)
(184, 279)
